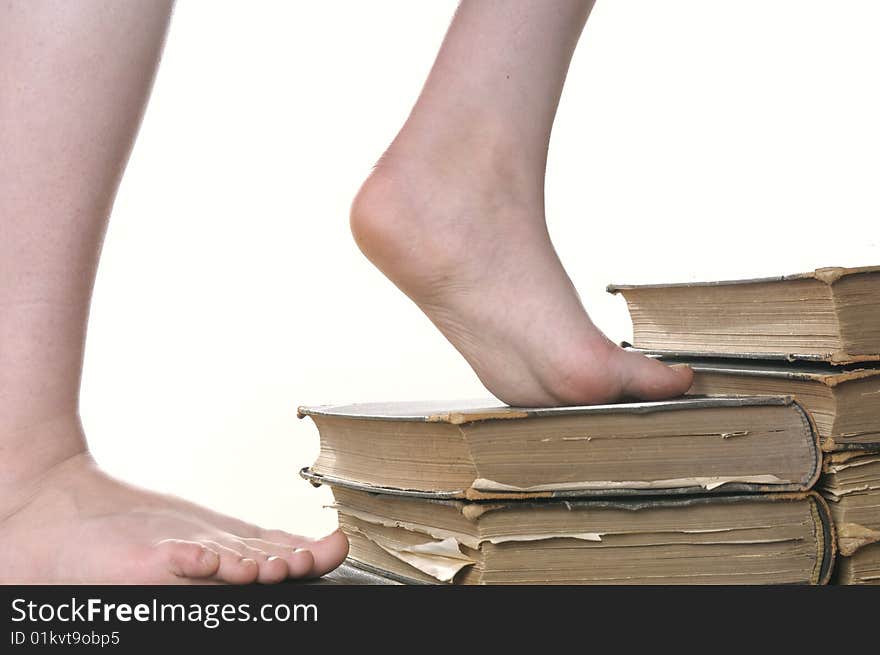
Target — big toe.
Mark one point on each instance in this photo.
(644, 378)
(329, 552)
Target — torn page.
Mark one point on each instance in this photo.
(469, 540)
(439, 559)
(852, 536)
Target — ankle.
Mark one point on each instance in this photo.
(476, 154)
(34, 450)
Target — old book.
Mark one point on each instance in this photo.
(351, 573)
(862, 567)
(851, 484)
(741, 539)
(478, 450)
(845, 403)
(831, 314)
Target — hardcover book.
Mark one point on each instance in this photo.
(851, 485)
(831, 315)
(862, 567)
(844, 402)
(352, 573)
(739, 539)
(477, 450)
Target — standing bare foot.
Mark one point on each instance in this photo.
(479, 262)
(454, 214)
(72, 523)
(74, 79)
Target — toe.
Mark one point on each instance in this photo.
(328, 552)
(301, 564)
(300, 561)
(273, 569)
(270, 558)
(649, 379)
(189, 559)
(235, 567)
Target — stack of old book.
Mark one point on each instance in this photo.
(702, 490)
(715, 488)
(812, 336)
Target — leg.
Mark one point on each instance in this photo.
(454, 213)
(74, 78)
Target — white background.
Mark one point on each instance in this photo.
(695, 140)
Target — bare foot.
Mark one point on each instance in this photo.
(74, 524)
(467, 241)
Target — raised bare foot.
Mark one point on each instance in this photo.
(74, 524)
(467, 241)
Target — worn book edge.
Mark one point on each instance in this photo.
(823, 373)
(482, 489)
(442, 559)
(448, 412)
(828, 275)
(836, 358)
(490, 490)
